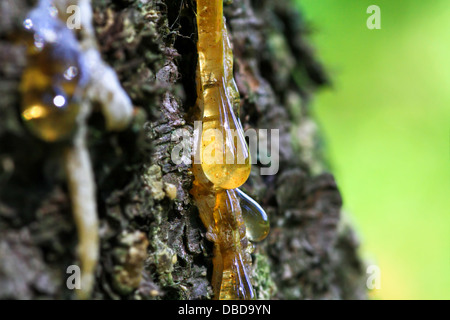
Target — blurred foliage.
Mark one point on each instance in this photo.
(386, 122)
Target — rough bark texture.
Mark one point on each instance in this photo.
(311, 252)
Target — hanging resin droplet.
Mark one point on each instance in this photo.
(53, 80)
(225, 162)
(256, 221)
(225, 158)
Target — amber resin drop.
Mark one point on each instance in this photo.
(256, 221)
(225, 157)
(53, 80)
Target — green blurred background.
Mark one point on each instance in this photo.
(386, 124)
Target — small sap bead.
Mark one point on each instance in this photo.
(53, 81)
(255, 218)
(49, 111)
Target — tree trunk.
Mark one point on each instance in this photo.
(311, 251)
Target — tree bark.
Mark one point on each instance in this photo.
(311, 251)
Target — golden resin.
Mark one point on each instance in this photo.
(52, 83)
(221, 214)
(225, 161)
(224, 154)
(255, 218)
(62, 79)
(52, 89)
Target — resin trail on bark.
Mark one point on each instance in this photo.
(225, 160)
(224, 153)
(53, 108)
(62, 77)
